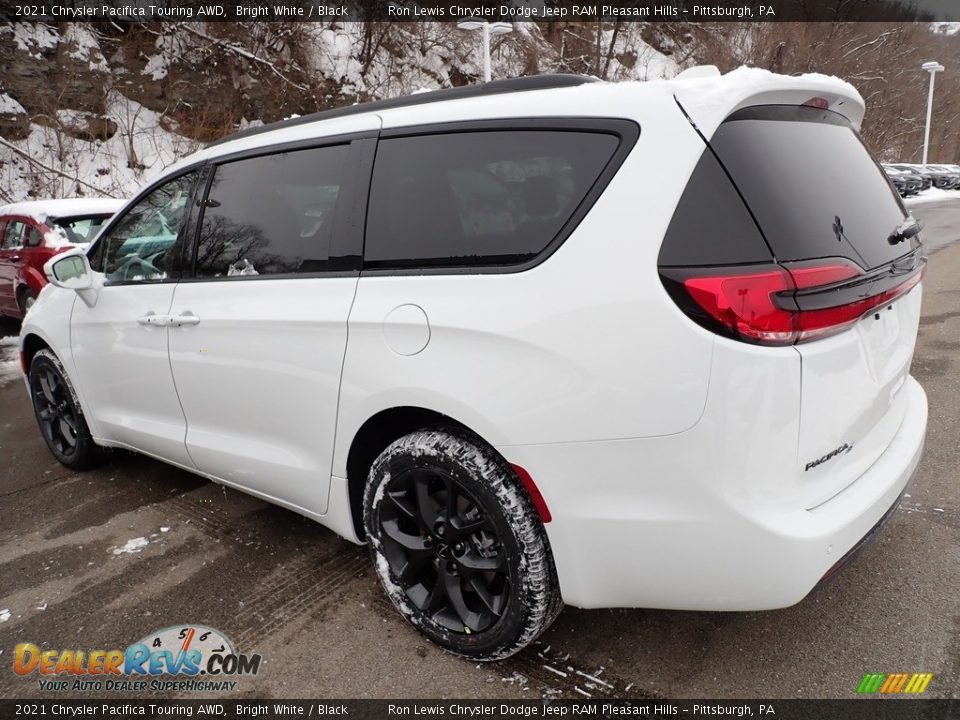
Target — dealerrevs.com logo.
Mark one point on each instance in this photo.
(180, 658)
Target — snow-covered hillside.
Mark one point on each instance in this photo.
(119, 106)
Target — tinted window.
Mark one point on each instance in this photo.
(711, 225)
(272, 215)
(812, 185)
(141, 247)
(478, 198)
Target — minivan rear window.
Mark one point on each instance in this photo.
(812, 185)
(478, 198)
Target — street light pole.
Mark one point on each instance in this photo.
(933, 68)
(486, 29)
(487, 69)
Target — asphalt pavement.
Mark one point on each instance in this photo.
(308, 603)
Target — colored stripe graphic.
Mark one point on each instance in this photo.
(894, 683)
(918, 683)
(871, 683)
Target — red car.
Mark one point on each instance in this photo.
(33, 232)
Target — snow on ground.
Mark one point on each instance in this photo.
(9, 360)
(140, 149)
(133, 546)
(9, 106)
(932, 195)
(33, 37)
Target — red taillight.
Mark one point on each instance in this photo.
(745, 304)
(815, 324)
(818, 102)
(758, 306)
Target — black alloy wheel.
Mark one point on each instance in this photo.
(55, 412)
(458, 545)
(59, 415)
(444, 551)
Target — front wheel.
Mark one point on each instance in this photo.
(458, 546)
(59, 415)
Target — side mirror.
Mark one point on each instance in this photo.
(71, 271)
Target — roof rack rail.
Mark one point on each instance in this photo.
(496, 87)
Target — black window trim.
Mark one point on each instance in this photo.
(348, 233)
(125, 210)
(628, 131)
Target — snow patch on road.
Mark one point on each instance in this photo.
(4, 615)
(9, 360)
(133, 546)
(931, 195)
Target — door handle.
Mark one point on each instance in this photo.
(185, 319)
(168, 320)
(15, 259)
(152, 318)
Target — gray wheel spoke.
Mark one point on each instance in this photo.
(491, 601)
(451, 504)
(47, 388)
(425, 504)
(468, 528)
(435, 600)
(412, 543)
(472, 562)
(68, 432)
(469, 618)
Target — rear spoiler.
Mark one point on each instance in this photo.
(707, 98)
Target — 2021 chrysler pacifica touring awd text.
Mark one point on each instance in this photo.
(535, 342)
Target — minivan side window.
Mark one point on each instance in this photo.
(482, 198)
(142, 245)
(272, 215)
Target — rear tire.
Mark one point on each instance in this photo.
(59, 415)
(458, 546)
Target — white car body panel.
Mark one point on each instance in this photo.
(854, 396)
(124, 369)
(258, 379)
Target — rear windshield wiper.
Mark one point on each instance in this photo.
(906, 230)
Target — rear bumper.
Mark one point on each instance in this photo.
(651, 522)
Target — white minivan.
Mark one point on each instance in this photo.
(541, 341)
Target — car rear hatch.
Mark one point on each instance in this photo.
(849, 302)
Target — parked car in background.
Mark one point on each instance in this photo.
(953, 169)
(926, 179)
(472, 329)
(32, 232)
(943, 177)
(906, 183)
